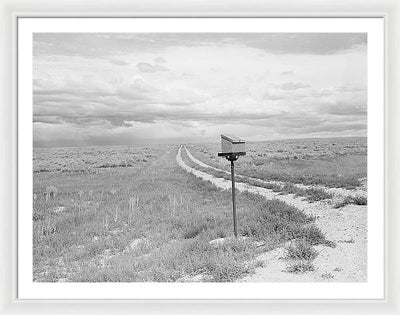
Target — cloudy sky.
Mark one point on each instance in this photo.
(128, 88)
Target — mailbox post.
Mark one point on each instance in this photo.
(232, 147)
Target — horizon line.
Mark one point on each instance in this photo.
(186, 142)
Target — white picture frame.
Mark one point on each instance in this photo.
(9, 301)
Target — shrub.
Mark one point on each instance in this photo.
(356, 200)
(227, 269)
(301, 249)
(315, 194)
(197, 226)
(276, 219)
(290, 189)
(193, 230)
(360, 200)
(327, 275)
(300, 267)
(313, 235)
(37, 217)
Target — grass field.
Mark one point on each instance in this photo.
(91, 159)
(132, 214)
(336, 162)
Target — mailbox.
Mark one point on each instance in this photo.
(232, 145)
(232, 148)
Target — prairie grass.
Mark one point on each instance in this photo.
(301, 249)
(336, 162)
(173, 261)
(300, 255)
(311, 194)
(173, 212)
(92, 159)
(356, 200)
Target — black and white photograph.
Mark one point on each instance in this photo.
(138, 139)
(199, 154)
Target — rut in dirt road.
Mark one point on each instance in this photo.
(341, 192)
(347, 227)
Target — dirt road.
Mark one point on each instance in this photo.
(347, 227)
(339, 192)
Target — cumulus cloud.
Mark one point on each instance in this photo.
(135, 100)
(160, 60)
(91, 45)
(352, 88)
(83, 85)
(119, 62)
(293, 86)
(147, 67)
(310, 43)
(346, 109)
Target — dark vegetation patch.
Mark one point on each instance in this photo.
(300, 267)
(301, 249)
(356, 200)
(328, 180)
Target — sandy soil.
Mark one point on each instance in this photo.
(347, 227)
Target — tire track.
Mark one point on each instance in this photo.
(347, 262)
(340, 192)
